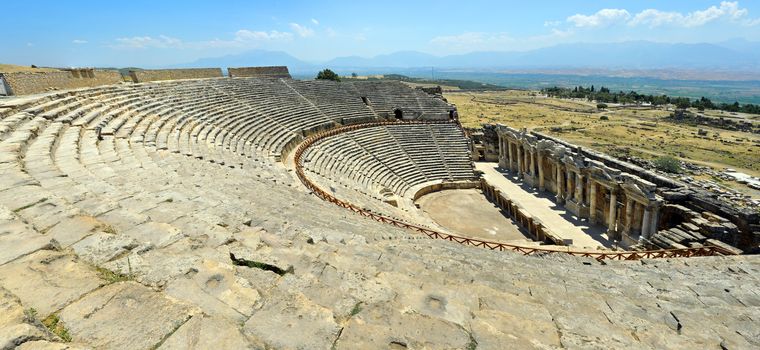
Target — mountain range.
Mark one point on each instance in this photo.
(736, 55)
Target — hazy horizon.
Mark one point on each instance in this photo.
(141, 33)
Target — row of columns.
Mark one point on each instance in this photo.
(571, 185)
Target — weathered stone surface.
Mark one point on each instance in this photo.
(46, 345)
(124, 315)
(49, 280)
(156, 234)
(102, 247)
(203, 332)
(16, 325)
(217, 290)
(381, 327)
(18, 239)
(293, 322)
(72, 230)
(24, 83)
(12, 336)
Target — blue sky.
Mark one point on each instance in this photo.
(156, 33)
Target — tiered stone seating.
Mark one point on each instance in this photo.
(119, 222)
(393, 158)
(385, 97)
(341, 102)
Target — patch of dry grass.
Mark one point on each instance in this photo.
(639, 131)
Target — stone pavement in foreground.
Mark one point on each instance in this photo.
(543, 207)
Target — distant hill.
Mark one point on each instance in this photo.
(253, 58)
(627, 55)
(733, 55)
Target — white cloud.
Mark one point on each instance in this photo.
(243, 38)
(655, 18)
(601, 18)
(752, 22)
(79, 41)
(29, 44)
(244, 35)
(302, 31)
(552, 23)
(144, 42)
(727, 10)
(316, 23)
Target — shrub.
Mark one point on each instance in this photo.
(668, 164)
(601, 105)
(604, 117)
(328, 75)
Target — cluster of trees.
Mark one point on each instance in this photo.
(604, 95)
(328, 74)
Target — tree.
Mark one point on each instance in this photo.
(682, 102)
(327, 74)
(601, 105)
(668, 164)
(354, 75)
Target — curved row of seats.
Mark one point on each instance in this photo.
(74, 153)
(119, 154)
(386, 97)
(396, 158)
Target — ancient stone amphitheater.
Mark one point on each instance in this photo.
(202, 214)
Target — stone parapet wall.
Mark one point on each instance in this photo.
(142, 76)
(261, 72)
(25, 83)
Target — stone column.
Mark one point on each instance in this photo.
(502, 156)
(629, 203)
(513, 152)
(528, 161)
(569, 185)
(560, 191)
(519, 162)
(613, 211)
(646, 223)
(592, 201)
(509, 154)
(655, 217)
(540, 172)
(579, 188)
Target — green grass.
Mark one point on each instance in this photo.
(113, 277)
(108, 229)
(30, 314)
(356, 309)
(53, 323)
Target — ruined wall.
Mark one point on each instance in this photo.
(260, 72)
(142, 76)
(737, 226)
(658, 180)
(24, 83)
(727, 123)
